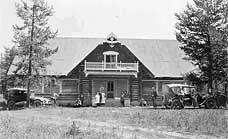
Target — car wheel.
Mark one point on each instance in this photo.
(37, 103)
(210, 103)
(166, 107)
(11, 105)
(176, 104)
(4, 106)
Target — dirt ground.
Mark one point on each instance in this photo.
(99, 120)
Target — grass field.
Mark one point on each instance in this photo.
(113, 123)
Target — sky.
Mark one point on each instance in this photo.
(148, 19)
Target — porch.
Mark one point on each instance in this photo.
(110, 68)
(113, 87)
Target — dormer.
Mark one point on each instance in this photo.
(110, 56)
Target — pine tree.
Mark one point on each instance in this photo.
(202, 30)
(5, 63)
(31, 38)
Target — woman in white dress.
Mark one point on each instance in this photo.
(97, 99)
(103, 98)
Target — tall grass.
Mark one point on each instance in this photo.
(12, 128)
(203, 121)
(214, 122)
(200, 121)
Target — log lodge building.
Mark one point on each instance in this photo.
(82, 66)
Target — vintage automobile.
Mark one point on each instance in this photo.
(3, 102)
(179, 96)
(211, 101)
(16, 97)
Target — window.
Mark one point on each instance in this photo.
(110, 86)
(110, 58)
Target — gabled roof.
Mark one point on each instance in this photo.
(162, 57)
(71, 51)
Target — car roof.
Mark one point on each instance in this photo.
(17, 88)
(180, 85)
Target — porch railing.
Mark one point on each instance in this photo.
(104, 66)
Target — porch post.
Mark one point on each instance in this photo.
(42, 85)
(104, 61)
(102, 68)
(156, 83)
(127, 85)
(140, 88)
(61, 86)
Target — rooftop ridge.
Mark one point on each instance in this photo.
(71, 37)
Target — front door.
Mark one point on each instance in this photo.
(110, 89)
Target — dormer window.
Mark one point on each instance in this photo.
(110, 59)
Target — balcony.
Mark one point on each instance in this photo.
(103, 68)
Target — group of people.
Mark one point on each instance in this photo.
(100, 97)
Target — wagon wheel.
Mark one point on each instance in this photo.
(210, 103)
(11, 105)
(176, 104)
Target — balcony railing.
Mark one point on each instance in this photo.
(104, 66)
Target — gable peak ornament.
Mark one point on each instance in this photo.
(112, 39)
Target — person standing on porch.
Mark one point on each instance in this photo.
(154, 96)
(82, 98)
(103, 98)
(122, 98)
(97, 99)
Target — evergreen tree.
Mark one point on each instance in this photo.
(31, 38)
(202, 30)
(5, 63)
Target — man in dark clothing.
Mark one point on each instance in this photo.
(122, 98)
(154, 95)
